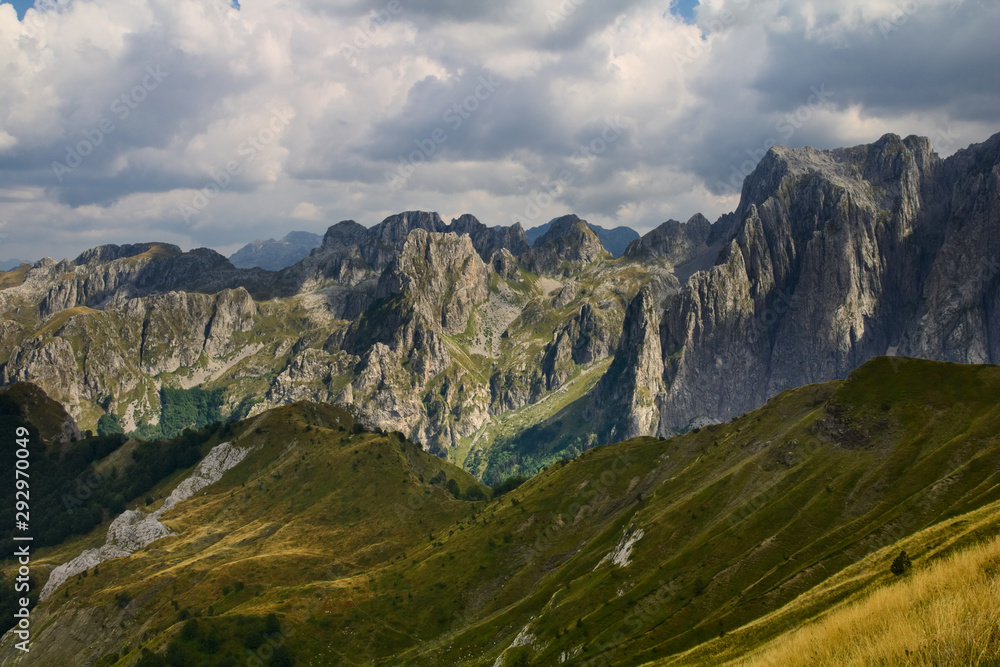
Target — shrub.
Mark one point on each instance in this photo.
(109, 425)
(271, 624)
(190, 630)
(901, 564)
(281, 657)
(508, 485)
(474, 493)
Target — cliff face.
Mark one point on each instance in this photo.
(837, 256)
(443, 276)
(118, 356)
(440, 329)
(673, 242)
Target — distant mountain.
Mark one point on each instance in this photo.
(614, 240)
(10, 264)
(276, 255)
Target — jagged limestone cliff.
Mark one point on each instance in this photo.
(454, 332)
(833, 257)
(429, 327)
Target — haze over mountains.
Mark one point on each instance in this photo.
(276, 255)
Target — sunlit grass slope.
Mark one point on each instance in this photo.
(943, 611)
(687, 549)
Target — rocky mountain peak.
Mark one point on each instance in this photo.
(109, 253)
(395, 229)
(625, 398)
(442, 275)
(344, 234)
(675, 242)
(489, 240)
(568, 239)
(832, 257)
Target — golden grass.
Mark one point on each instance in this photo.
(14, 277)
(61, 318)
(156, 251)
(946, 614)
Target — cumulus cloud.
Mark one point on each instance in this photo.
(132, 120)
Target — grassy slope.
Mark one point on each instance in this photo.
(737, 520)
(302, 522)
(337, 534)
(947, 615)
(942, 612)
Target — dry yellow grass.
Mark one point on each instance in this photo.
(62, 318)
(946, 614)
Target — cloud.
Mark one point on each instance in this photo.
(497, 109)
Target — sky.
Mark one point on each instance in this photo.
(213, 123)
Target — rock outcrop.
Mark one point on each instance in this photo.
(134, 529)
(673, 242)
(568, 241)
(836, 257)
(614, 240)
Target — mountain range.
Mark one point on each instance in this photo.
(767, 439)
(296, 246)
(505, 355)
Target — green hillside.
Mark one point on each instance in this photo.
(694, 549)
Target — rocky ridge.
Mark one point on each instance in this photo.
(134, 529)
(436, 328)
(838, 256)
